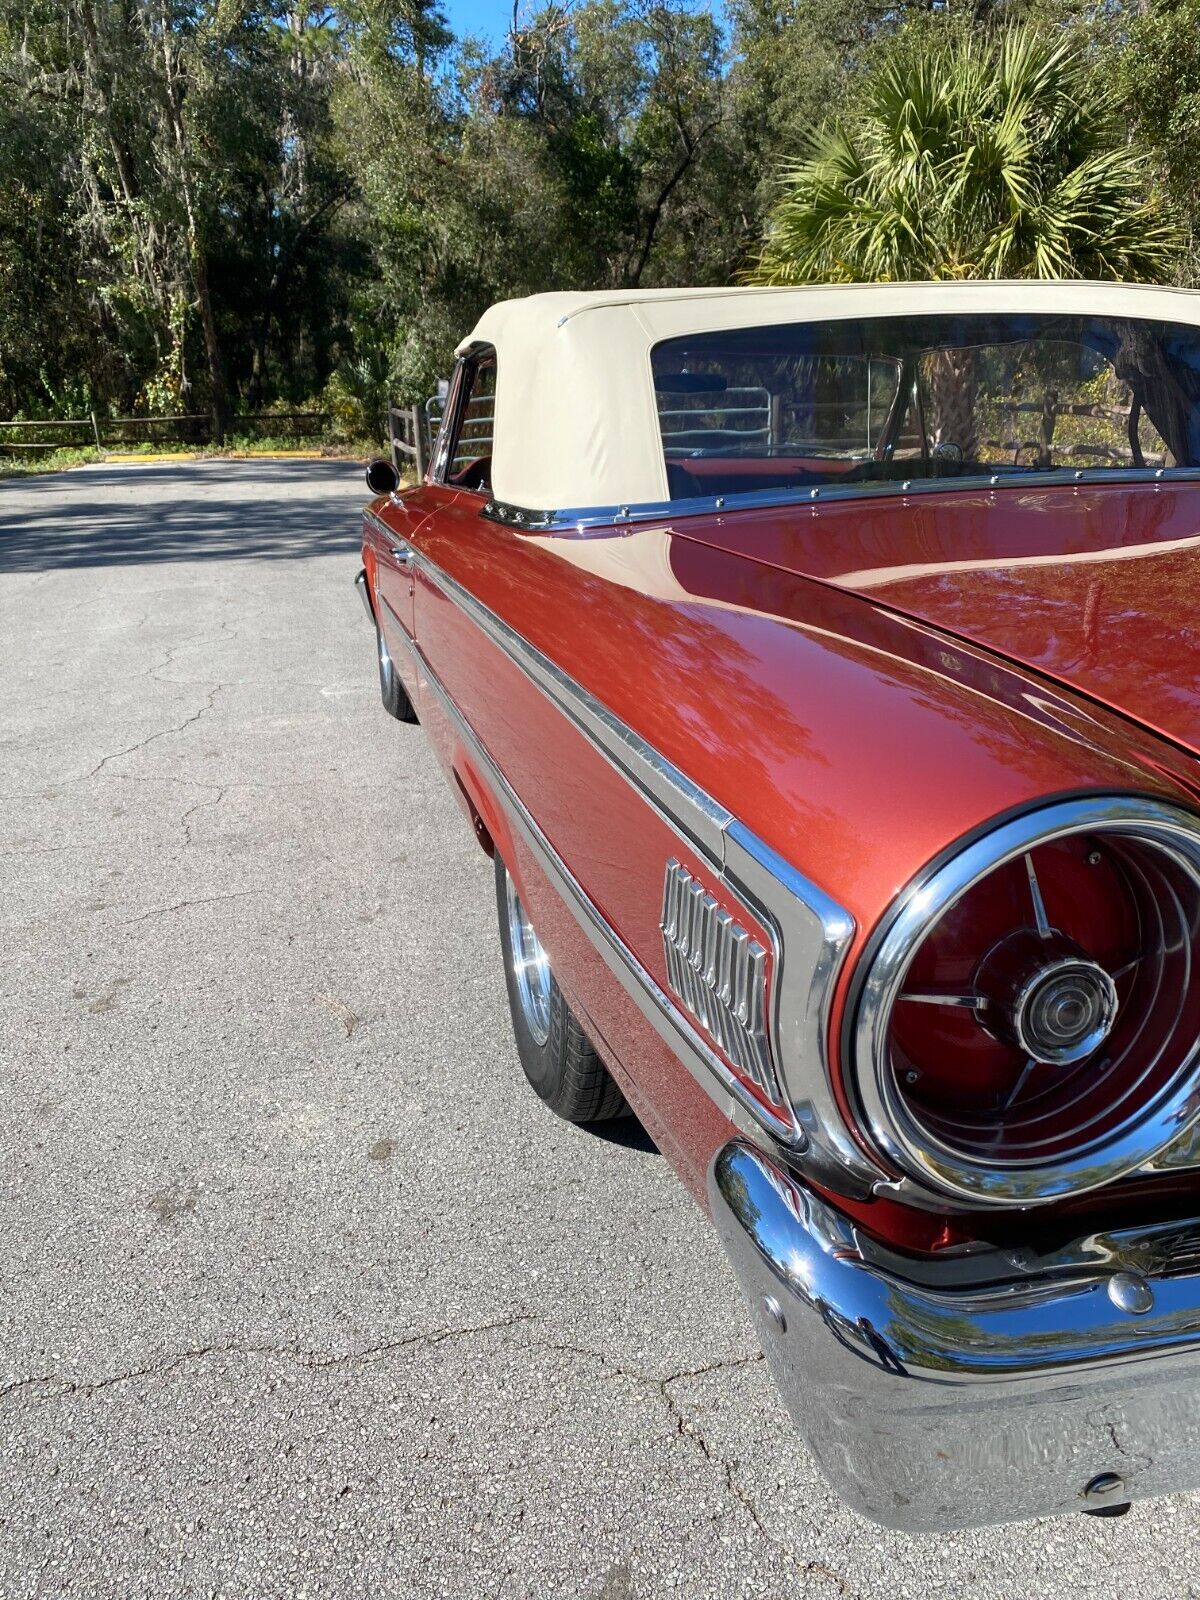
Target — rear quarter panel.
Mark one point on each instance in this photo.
(855, 743)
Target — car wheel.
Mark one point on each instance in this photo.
(557, 1056)
(392, 692)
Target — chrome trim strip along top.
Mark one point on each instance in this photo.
(578, 517)
(810, 932)
(1144, 1142)
(719, 972)
(965, 1390)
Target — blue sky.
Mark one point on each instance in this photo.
(490, 18)
(486, 17)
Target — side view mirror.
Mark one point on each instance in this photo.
(382, 477)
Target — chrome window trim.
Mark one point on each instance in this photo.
(575, 519)
(441, 456)
(880, 976)
(809, 931)
(452, 416)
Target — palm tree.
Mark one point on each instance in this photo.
(971, 158)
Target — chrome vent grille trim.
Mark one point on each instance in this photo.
(719, 972)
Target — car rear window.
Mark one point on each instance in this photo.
(882, 399)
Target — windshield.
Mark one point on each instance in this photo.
(885, 399)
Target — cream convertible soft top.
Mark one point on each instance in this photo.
(576, 424)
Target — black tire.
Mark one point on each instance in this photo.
(391, 691)
(563, 1069)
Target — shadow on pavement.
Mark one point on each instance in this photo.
(625, 1131)
(187, 512)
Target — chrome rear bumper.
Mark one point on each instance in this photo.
(959, 1391)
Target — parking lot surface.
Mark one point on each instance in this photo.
(301, 1290)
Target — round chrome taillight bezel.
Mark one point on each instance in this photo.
(907, 1142)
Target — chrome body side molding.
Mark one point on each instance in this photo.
(967, 1389)
(668, 1021)
(577, 517)
(378, 524)
(809, 931)
(812, 933)
(675, 798)
(394, 541)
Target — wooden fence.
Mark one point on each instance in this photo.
(188, 428)
(408, 440)
(412, 431)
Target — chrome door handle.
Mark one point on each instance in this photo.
(402, 554)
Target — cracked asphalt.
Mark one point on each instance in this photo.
(301, 1291)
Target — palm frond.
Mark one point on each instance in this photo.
(977, 157)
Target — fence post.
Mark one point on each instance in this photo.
(775, 421)
(1046, 430)
(96, 431)
(391, 427)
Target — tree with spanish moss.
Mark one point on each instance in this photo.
(969, 155)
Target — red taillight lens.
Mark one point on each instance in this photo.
(1038, 1034)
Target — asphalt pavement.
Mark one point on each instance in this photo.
(301, 1290)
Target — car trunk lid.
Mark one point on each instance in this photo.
(1094, 586)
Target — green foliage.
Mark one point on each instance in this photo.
(208, 205)
(1157, 69)
(972, 156)
(48, 461)
(357, 397)
(794, 62)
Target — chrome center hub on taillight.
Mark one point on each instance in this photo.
(1065, 1011)
(1048, 997)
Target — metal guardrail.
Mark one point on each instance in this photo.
(413, 430)
(477, 431)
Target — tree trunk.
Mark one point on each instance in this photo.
(197, 254)
(951, 397)
(212, 349)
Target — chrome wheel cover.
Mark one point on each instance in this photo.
(530, 967)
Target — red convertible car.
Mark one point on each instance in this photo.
(819, 667)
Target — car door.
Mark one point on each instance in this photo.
(462, 460)
(390, 535)
(390, 527)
